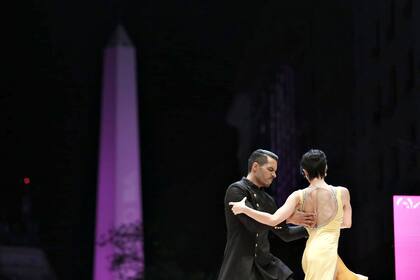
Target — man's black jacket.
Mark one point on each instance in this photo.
(247, 253)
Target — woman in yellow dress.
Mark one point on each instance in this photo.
(332, 206)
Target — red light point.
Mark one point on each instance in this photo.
(26, 180)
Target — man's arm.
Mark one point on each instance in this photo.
(289, 233)
(235, 193)
(300, 218)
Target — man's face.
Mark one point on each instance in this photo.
(266, 173)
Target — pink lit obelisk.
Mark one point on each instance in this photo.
(119, 177)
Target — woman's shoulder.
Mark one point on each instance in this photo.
(341, 188)
(299, 191)
(344, 192)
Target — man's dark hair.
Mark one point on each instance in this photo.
(315, 163)
(260, 156)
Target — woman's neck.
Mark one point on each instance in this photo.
(317, 182)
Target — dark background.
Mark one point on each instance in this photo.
(206, 70)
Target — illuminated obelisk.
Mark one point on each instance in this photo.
(119, 176)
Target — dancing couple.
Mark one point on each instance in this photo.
(319, 212)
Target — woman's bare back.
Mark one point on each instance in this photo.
(321, 200)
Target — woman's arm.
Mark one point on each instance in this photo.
(345, 197)
(236, 193)
(265, 218)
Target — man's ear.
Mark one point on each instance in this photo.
(254, 166)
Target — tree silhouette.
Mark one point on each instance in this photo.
(127, 260)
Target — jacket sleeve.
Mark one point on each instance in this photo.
(289, 233)
(235, 193)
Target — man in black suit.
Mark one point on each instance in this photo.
(247, 253)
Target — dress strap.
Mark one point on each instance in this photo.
(338, 196)
(301, 198)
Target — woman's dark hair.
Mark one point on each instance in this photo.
(260, 156)
(315, 163)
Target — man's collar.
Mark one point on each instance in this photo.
(249, 183)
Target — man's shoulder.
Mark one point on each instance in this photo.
(238, 184)
(235, 190)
